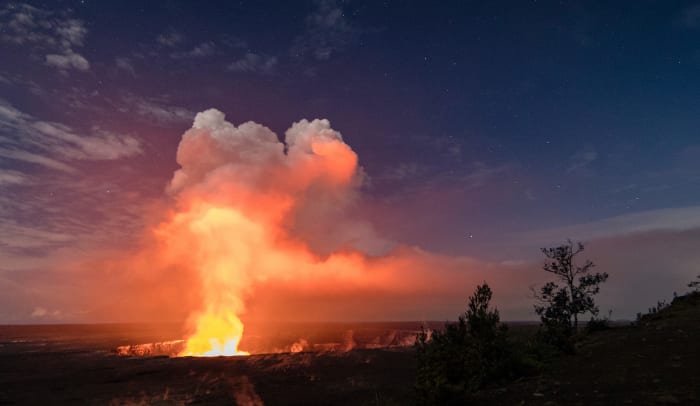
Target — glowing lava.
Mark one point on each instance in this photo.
(216, 335)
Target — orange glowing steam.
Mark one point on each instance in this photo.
(259, 229)
(219, 244)
(241, 194)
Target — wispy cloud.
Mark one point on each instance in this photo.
(674, 219)
(17, 236)
(253, 63)
(482, 174)
(580, 162)
(45, 314)
(201, 50)
(19, 81)
(61, 220)
(447, 146)
(125, 65)
(176, 45)
(30, 157)
(327, 31)
(69, 60)
(32, 140)
(55, 34)
(170, 38)
(404, 170)
(12, 177)
(5, 80)
(156, 110)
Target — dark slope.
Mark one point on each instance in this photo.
(655, 362)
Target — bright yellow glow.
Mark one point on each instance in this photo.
(221, 244)
(216, 335)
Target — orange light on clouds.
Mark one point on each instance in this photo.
(248, 217)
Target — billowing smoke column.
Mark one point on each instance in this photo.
(248, 207)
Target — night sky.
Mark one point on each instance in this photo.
(486, 129)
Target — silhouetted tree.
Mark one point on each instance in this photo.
(561, 302)
(458, 360)
(695, 284)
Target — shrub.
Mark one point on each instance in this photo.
(695, 285)
(599, 324)
(466, 355)
(594, 325)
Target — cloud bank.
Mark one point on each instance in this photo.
(56, 34)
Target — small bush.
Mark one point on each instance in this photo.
(596, 324)
(695, 285)
(466, 355)
(554, 339)
(654, 310)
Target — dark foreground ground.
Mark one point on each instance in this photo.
(655, 363)
(340, 365)
(349, 378)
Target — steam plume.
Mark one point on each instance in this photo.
(259, 227)
(243, 198)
